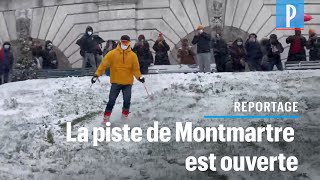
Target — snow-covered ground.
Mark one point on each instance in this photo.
(31, 111)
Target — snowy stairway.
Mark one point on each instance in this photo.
(303, 65)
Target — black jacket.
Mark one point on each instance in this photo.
(314, 49)
(6, 59)
(220, 47)
(161, 50)
(50, 60)
(253, 51)
(89, 44)
(275, 55)
(143, 52)
(203, 42)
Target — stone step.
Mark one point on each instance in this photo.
(303, 65)
(303, 68)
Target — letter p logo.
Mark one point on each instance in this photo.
(290, 14)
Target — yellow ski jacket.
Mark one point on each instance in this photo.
(123, 66)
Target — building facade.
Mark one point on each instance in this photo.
(65, 21)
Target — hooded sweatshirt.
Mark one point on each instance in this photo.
(123, 66)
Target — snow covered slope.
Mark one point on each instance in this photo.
(33, 143)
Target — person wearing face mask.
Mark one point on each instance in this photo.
(297, 44)
(313, 45)
(274, 54)
(124, 65)
(254, 53)
(6, 62)
(161, 48)
(186, 53)
(202, 40)
(220, 51)
(90, 48)
(238, 55)
(50, 60)
(142, 49)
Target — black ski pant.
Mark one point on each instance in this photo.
(254, 64)
(277, 63)
(221, 63)
(114, 93)
(4, 77)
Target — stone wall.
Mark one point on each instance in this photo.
(64, 21)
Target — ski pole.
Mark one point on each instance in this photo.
(98, 81)
(145, 87)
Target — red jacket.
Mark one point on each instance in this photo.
(1, 55)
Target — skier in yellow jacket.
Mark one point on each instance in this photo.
(124, 65)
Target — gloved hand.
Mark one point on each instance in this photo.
(94, 79)
(142, 80)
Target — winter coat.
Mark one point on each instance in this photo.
(6, 59)
(113, 46)
(143, 52)
(314, 48)
(123, 66)
(220, 47)
(238, 56)
(186, 55)
(298, 56)
(274, 52)
(203, 42)
(161, 49)
(90, 44)
(253, 50)
(50, 60)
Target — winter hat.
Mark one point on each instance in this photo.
(7, 43)
(141, 37)
(89, 28)
(48, 42)
(253, 34)
(200, 27)
(273, 36)
(125, 38)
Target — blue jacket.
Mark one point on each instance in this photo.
(253, 51)
(6, 59)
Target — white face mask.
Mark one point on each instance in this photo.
(123, 47)
(6, 46)
(89, 33)
(200, 31)
(239, 43)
